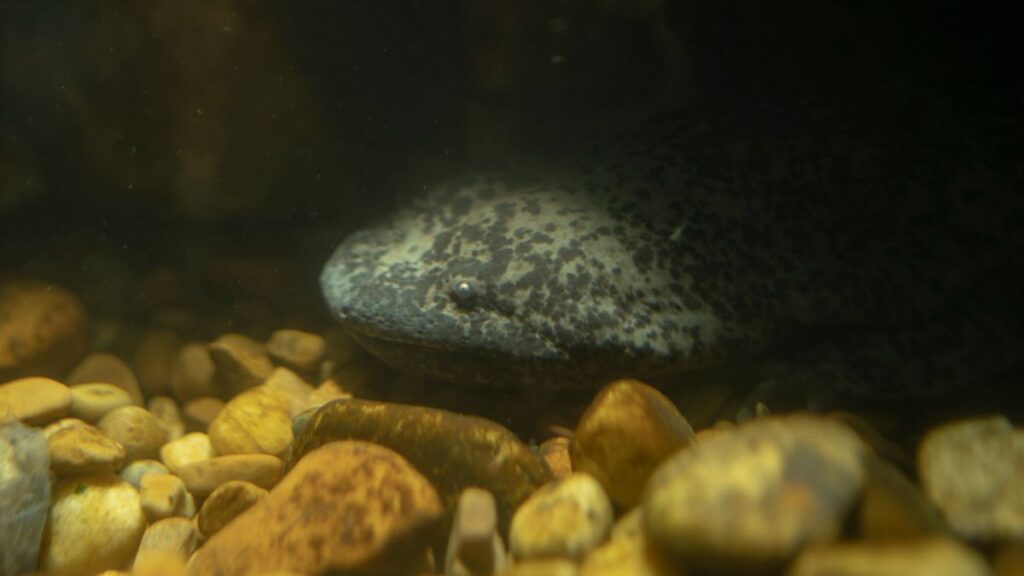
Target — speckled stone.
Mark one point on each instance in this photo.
(566, 518)
(346, 507)
(34, 400)
(303, 350)
(754, 496)
(202, 478)
(240, 363)
(165, 547)
(454, 451)
(226, 503)
(257, 421)
(628, 430)
(972, 471)
(926, 557)
(95, 524)
(139, 432)
(106, 367)
(189, 449)
(474, 546)
(78, 448)
(92, 401)
(192, 372)
(24, 496)
(44, 329)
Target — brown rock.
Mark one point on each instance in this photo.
(303, 350)
(346, 507)
(291, 384)
(106, 367)
(192, 372)
(628, 430)
(78, 448)
(911, 558)
(44, 329)
(240, 363)
(154, 357)
(226, 503)
(563, 519)
(189, 449)
(92, 401)
(139, 432)
(1009, 560)
(257, 421)
(35, 400)
(555, 452)
(166, 411)
(892, 507)
(201, 412)
(454, 451)
(202, 478)
(162, 496)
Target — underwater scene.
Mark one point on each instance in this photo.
(511, 287)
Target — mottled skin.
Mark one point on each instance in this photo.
(689, 244)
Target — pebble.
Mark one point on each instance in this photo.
(202, 478)
(543, 567)
(153, 360)
(346, 507)
(303, 350)
(139, 432)
(79, 448)
(972, 471)
(95, 524)
(44, 329)
(134, 472)
(257, 421)
(199, 413)
(555, 452)
(163, 496)
(910, 558)
(166, 411)
(226, 503)
(166, 546)
(455, 451)
(106, 367)
(35, 400)
(474, 545)
(189, 449)
(627, 557)
(240, 363)
(192, 372)
(564, 519)
(892, 507)
(753, 496)
(24, 496)
(92, 401)
(293, 386)
(626, 432)
(324, 393)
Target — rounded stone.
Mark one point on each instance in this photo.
(346, 507)
(166, 411)
(167, 543)
(924, 557)
(106, 367)
(257, 421)
(199, 413)
(626, 432)
(139, 432)
(95, 524)
(78, 448)
(303, 350)
(44, 329)
(240, 363)
(192, 372)
(755, 495)
(134, 472)
(202, 478)
(555, 452)
(290, 384)
(34, 400)
(189, 449)
(972, 471)
(162, 496)
(226, 503)
(563, 519)
(92, 401)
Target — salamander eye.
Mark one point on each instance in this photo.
(463, 293)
